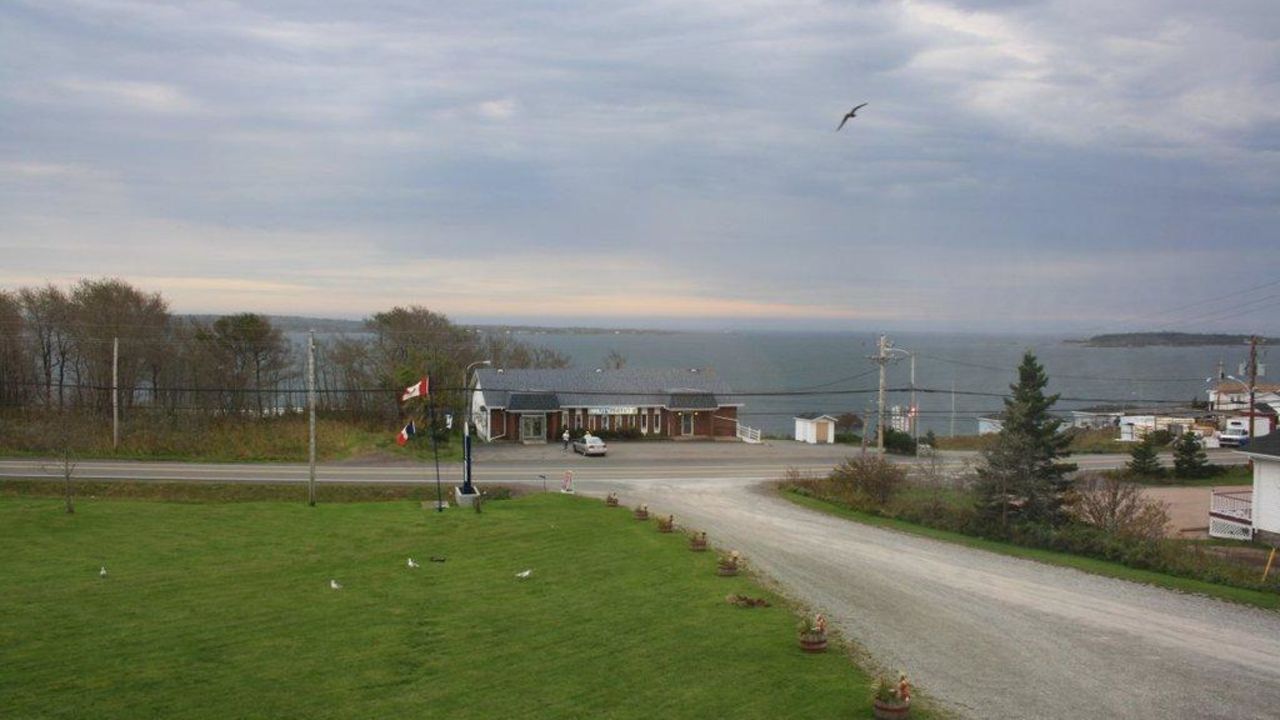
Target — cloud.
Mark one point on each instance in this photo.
(1010, 154)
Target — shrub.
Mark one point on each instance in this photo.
(899, 443)
(870, 478)
(1119, 508)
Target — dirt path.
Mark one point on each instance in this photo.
(998, 637)
(1188, 507)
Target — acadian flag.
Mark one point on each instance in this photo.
(408, 432)
(418, 389)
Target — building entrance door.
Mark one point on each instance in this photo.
(533, 428)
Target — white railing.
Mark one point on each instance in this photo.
(748, 434)
(1231, 514)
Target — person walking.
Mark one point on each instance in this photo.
(565, 437)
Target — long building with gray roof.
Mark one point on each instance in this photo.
(537, 405)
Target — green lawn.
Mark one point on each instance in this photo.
(1256, 598)
(224, 610)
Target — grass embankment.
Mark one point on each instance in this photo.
(225, 610)
(1083, 442)
(1222, 475)
(1257, 598)
(153, 436)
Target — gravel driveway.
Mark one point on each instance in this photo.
(993, 636)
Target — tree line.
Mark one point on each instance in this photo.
(56, 354)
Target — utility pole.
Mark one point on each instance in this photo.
(115, 393)
(1253, 382)
(311, 402)
(915, 412)
(882, 359)
(953, 406)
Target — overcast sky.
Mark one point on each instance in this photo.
(1057, 166)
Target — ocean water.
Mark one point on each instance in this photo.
(835, 375)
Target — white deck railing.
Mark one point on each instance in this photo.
(1231, 514)
(748, 434)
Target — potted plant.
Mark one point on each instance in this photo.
(890, 700)
(611, 500)
(813, 634)
(698, 542)
(667, 524)
(729, 565)
(642, 512)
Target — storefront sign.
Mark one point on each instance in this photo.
(612, 411)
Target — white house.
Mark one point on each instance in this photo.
(1265, 498)
(814, 428)
(1232, 395)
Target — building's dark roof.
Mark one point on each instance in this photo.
(692, 401)
(1266, 445)
(814, 416)
(627, 387)
(1264, 409)
(532, 402)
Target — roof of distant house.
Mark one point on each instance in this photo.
(682, 389)
(814, 416)
(1231, 386)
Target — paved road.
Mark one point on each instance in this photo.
(991, 636)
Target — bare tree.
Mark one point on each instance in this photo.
(65, 466)
(1120, 508)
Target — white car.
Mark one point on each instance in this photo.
(590, 445)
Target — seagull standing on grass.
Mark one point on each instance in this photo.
(411, 563)
(103, 572)
(524, 574)
(850, 115)
(335, 584)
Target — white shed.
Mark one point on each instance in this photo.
(815, 428)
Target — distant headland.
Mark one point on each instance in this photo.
(1163, 339)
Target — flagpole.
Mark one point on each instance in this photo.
(435, 450)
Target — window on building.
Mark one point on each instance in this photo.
(644, 422)
(686, 423)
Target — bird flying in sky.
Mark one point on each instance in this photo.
(851, 114)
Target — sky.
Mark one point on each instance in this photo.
(1067, 166)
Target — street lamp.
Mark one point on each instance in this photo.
(467, 488)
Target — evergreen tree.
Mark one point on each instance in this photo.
(1022, 480)
(930, 439)
(1189, 458)
(1142, 459)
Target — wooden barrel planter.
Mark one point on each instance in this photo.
(642, 514)
(667, 524)
(698, 543)
(611, 501)
(726, 570)
(890, 710)
(813, 642)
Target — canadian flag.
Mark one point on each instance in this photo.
(418, 389)
(408, 432)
